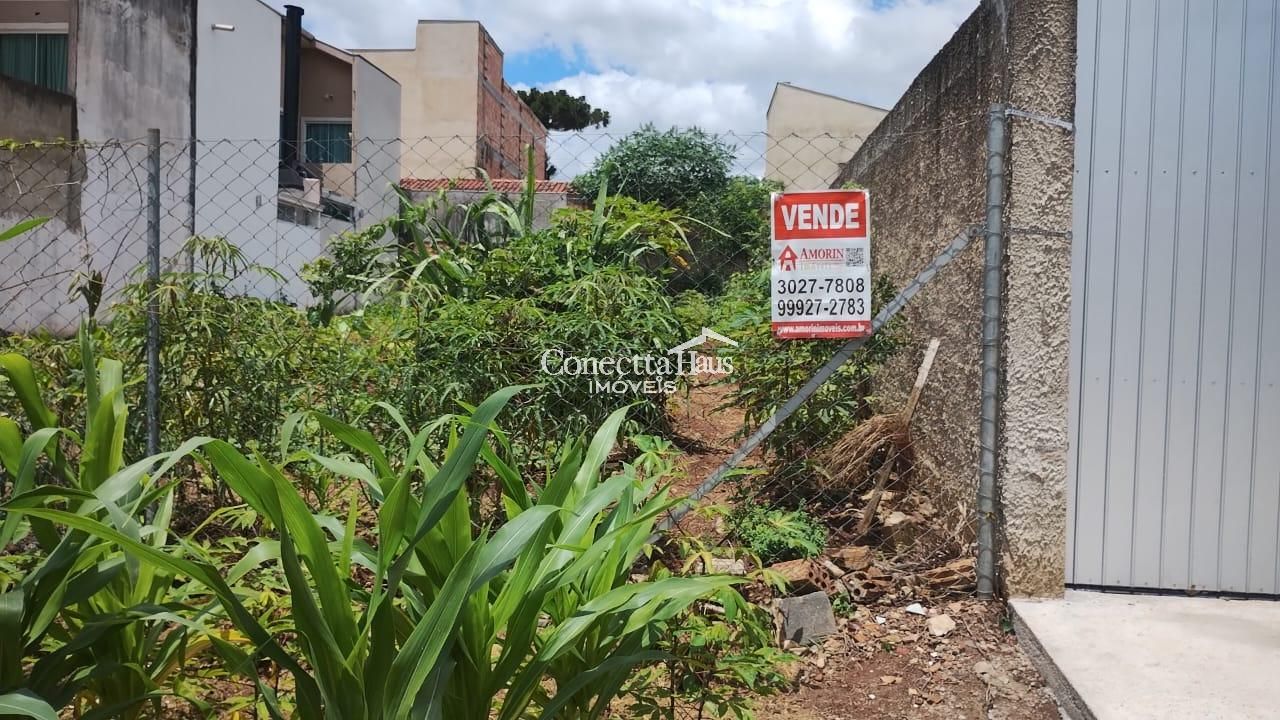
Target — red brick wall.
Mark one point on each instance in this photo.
(507, 125)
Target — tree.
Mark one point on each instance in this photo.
(673, 167)
(561, 111)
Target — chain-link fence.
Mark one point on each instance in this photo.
(376, 274)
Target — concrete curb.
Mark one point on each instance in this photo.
(1069, 701)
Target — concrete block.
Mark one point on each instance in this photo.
(807, 619)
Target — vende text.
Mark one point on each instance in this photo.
(820, 215)
(829, 216)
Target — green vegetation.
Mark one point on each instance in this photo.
(776, 535)
(339, 531)
(559, 110)
(417, 611)
(671, 167)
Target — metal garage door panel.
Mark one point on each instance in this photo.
(1175, 466)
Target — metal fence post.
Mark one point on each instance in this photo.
(992, 296)
(153, 301)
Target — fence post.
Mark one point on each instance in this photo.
(153, 301)
(992, 296)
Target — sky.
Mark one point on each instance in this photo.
(706, 63)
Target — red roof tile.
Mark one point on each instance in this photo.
(478, 185)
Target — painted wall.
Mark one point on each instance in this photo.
(810, 134)
(439, 97)
(1176, 330)
(238, 124)
(925, 165)
(326, 92)
(377, 147)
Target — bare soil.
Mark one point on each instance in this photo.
(884, 663)
(899, 670)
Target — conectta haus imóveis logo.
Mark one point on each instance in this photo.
(647, 374)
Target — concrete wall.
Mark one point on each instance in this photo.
(35, 12)
(35, 113)
(925, 168)
(811, 133)
(439, 82)
(132, 71)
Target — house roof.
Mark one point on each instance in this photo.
(504, 185)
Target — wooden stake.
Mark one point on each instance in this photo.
(891, 456)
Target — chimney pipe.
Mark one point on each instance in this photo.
(290, 122)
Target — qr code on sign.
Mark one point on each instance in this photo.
(855, 257)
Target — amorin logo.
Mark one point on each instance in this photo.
(788, 259)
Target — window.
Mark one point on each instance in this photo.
(297, 214)
(37, 58)
(327, 142)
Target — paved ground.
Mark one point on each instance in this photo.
(1141, 656)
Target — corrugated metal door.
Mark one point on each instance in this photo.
(1175, 407)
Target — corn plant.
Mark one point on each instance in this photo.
(86, 625)
(444, 619)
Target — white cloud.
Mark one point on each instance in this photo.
(711, 63)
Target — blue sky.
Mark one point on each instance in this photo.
(542, 66)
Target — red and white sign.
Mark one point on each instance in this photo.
(821, 279)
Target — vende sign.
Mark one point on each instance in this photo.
(821, 215)
(821, 279)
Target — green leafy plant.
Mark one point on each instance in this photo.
(767, 372)
(721, 659)
(85, 625)
(25, 226)
(671, 167)
(354, 259)
(450, 619)
(775, 535)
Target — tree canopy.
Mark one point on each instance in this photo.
(561, 111)
(672, 167)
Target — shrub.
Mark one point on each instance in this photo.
(671, 167)
(717, 664)
(775, 535)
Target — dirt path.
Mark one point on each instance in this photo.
(707, 432)
(884, 663)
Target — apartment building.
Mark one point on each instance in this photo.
(458, 114)
(810, 133)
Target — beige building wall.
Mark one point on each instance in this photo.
(325, 93)
(811, 133)
(439, 100)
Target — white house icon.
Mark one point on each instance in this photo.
(705, 336)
